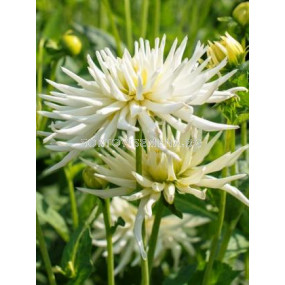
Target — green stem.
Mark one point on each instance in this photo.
(228, 233)
(246, 265)
(113, 26)
(231, 227)
(144, 17)
(110, 256)
(156, 18)
(74, 212)
(244, 137)
(214, 246)
(128, 25)
(144, 262)
(154, 234)
(40, 79)
(45, 254)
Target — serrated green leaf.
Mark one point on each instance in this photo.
(47, 214)
(182, 277)
(193, 205)
(223, 274)
(120, 222)
(172, 208)
(88, 203)
(82, 263)
(238, 244)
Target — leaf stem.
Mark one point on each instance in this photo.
(113, 26)
(229, 136)
(154, 233)
(144, 262)
(44, 252)
(74, 211)
(110, 256)
(145, 4)
(40, 79)
(128, 25)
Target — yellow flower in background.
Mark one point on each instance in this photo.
(227, 47)
(71, 43)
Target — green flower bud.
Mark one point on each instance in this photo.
(241, 13)
(52, 47)
(226, 47)
(91, 181)
(71, 43)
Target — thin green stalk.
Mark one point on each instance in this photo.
(156, 18)
(113, 26)
(40, 79)
(44, 252)
(233, 168)
(246, 265)
(145, 4)
(128, 25)
(110, 256)
(228, 233)
(144, 262)
(74, 211)
(244, 138)
(214, 246)
(231, 227)
(154, 234)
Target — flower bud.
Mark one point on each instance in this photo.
(91, 181)
(71, 43)
(226, 47)
(241, 13)
(52, 47)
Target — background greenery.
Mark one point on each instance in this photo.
(91, 22)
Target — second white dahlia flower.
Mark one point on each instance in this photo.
(163, 175)
(174, 234)
(142, 88)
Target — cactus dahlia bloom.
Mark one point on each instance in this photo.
(174, 234)
(163, 175)
(123, 91)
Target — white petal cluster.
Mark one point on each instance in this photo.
(163, 175)
(142, 88)
(174, 235)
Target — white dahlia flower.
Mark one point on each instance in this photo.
(163, 175)
(142, 88)
(174, 234)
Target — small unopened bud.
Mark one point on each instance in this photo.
(91, 181)
(52, 47)
(71, 43)
(241, 13)
(226, 47)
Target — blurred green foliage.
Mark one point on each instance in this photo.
(88, 20)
